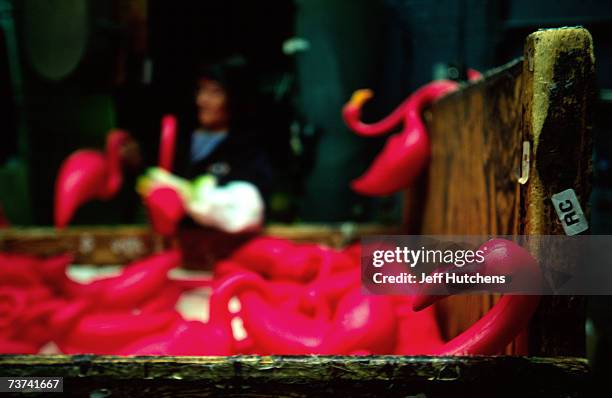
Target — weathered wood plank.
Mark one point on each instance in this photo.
(472, 185)
(118, 245)
(88, 245)
(477, 137)
(297, 376)
(558, 89)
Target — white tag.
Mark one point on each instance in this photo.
(570, 213)
(525, 163)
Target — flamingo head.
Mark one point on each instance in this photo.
(501, 257)
(86, 175)
(351, 111)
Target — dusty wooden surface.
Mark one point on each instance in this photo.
(472, 186)
(89, 245)
(558, 79)
(118, 245)
(313, 376)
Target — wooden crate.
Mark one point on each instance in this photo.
(472, 187)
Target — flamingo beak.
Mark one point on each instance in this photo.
(352, 109)
(360, 97)
(423, 300)
(429, 293)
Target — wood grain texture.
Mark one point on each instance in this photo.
(472, 184)
(558, 92)
(88, 245)
(308, 376)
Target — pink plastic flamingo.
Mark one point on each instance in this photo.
(86, 175)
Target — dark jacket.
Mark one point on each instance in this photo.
(240, 156)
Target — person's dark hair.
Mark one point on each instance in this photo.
(238, 81)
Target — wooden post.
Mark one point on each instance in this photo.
(558, 82)
(473, 184)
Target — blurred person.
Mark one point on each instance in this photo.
(223, 153)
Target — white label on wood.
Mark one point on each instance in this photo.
(524, 177)
(570, 213)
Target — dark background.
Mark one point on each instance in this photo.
(72, 69)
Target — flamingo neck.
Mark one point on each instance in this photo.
(511, 314)
(352, 117)
(230, 287)
(427, 94)
(167, 142)
(495, 329)
(491, 333)
(409, 110)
